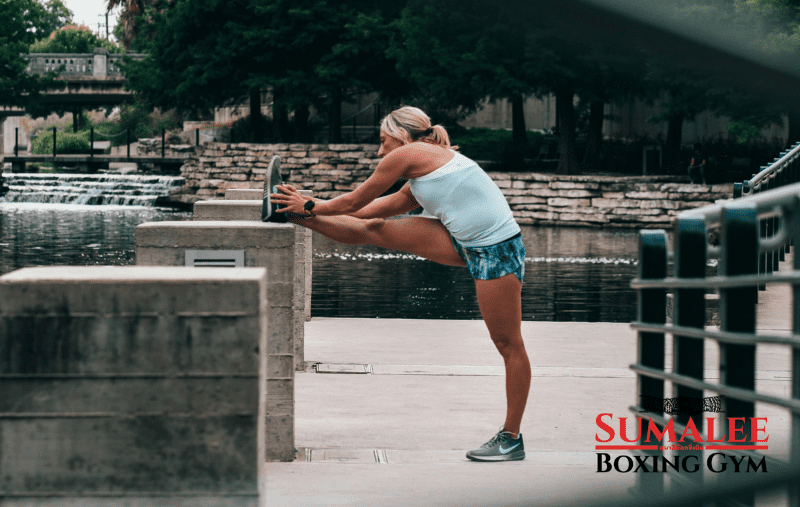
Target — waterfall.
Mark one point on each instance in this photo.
(125, 190)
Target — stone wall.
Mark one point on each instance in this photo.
(535, 198)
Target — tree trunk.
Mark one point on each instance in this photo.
(793, 136)
(301, 126)
(565, 110)
(518, 134)
(673, 145)
(256, 120)
(335, 117)
(591, 160)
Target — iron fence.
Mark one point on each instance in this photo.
(739, 226)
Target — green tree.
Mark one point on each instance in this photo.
(22, 21)
(73, 39)
(130, 19)
(776, 26)
(460, 53)
(208, 53)
(57, 15)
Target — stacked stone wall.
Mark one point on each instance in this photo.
(535, 198)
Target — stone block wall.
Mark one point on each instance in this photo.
(535, 198)
(603, 201)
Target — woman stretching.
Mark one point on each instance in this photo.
(475, 228)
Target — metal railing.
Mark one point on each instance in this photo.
(783, 171)
(738, 224)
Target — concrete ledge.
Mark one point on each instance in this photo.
(214, 234)
(228, 210)
(247, 194)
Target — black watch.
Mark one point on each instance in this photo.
(309, 205)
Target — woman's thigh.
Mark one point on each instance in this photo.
(425, 237)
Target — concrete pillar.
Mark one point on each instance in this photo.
(100, 65)
(262, 244)
(134, 382)
(245, 204)
(9, 124)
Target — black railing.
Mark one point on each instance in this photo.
(738, 226)
(127, 133)
(784, 170)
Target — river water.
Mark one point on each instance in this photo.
(571, 274)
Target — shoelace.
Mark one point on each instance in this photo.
(500, 437)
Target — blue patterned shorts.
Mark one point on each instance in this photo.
(494, 261)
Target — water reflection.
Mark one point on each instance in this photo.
(33, 234)
(571, 274)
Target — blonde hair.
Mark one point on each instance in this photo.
(410, 124)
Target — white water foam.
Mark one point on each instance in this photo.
(88, 189)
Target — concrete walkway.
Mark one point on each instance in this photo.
(411, 396)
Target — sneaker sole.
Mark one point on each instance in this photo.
(514, 456)
(272, 178)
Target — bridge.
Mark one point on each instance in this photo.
(88, 79)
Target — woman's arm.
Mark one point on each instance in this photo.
(397, 203)
(389, 170)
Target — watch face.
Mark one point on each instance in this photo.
(309, 205)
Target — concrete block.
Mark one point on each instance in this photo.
(242, 194)
(267, 245)
(227, 210)
(137, 381)
(245, 204)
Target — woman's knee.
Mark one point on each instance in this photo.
(375, 224)
(508, 345)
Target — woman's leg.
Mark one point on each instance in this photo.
(425, 237)
(500, 301)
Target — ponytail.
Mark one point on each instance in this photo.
(410, 124)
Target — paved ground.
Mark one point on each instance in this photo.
(396, 433)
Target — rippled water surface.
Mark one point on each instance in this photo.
(570, 274)
(33, 234)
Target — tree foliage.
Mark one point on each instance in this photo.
(56, 15)
(22, 21)
(448, 57)
(73, 39)
(209, 53)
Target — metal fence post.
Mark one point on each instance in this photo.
(691, 243)
(739, 240)
(91, 142)
(16, 141)
(128, 138)
(652, 309)
(197, 137)
(54, 143)
(163, 141)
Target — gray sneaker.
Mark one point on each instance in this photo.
(500, 448)
(271, 181)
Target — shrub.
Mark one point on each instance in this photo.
(145, 123)
(66, 142)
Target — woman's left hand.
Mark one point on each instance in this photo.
(291, 200)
